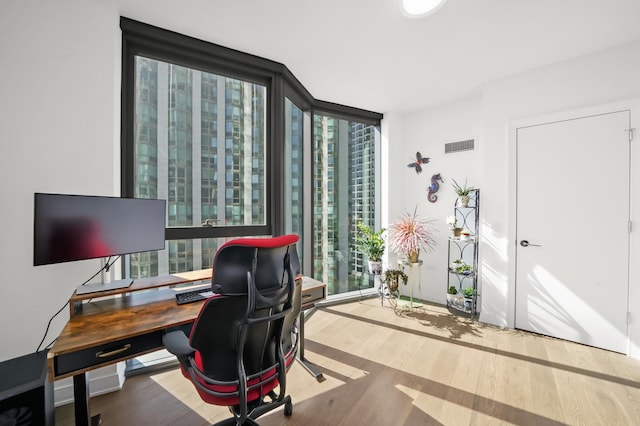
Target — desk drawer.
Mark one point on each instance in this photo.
(107, 353)
(312, 295)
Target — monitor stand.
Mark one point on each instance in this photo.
(100, 287)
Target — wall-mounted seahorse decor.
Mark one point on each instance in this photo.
(420, 160)
(434, 187)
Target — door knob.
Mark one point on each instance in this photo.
(525, 243)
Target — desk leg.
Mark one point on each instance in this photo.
(81, 402)
(311, 368)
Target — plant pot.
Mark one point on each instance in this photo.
(456, 232)
(375, 267)
(464, 200)
(414, 256)
(451, 298)
(468, 303)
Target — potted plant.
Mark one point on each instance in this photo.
(465, 234)
(463, 192)
(451, 295)
(462, 267)
(468, 297)
(372, 244)
(410, 234)
(391, 279)
(452, 221)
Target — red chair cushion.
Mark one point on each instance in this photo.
(230, 400)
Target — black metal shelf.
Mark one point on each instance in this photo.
(463, 307)
(466, 250)
(461, 240)
(468, 274)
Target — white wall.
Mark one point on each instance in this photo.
(589, 81)
(59, 115)
(427, 131)
(60, 90)
(592, 80)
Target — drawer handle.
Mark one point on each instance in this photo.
(114, 352)
(306, 296)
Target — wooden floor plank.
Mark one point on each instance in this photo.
(419, 367)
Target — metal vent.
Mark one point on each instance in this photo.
(468, 145)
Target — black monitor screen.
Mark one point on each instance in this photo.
(77, 227)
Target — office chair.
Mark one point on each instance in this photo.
(245, 337)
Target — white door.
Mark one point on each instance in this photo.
(573, 210)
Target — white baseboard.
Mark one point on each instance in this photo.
(103, 380)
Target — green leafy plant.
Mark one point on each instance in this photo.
(468, 292)
(462, 267)
(369, 242)
(452, 221)
(452, 290)
(392, 278)
(462, 190)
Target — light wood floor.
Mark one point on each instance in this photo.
(426, 367)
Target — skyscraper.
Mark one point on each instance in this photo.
(199, 144)
(344, 194)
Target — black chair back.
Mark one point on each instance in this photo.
(247, 334)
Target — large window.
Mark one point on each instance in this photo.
(344, 194)
(199, 142)
(231, 141)
(294, 170)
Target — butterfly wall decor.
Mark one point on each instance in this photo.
(420, 160)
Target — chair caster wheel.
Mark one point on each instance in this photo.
(288, 409)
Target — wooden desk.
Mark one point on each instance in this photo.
(104, 331)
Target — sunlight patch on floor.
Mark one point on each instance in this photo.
(344, 370)
(440, 410)
(167, 381)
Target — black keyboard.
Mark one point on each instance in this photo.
(189, 296)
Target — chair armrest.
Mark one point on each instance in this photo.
(177, 343)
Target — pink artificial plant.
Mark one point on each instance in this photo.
(410, 234)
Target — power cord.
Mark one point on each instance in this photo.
(104, 268)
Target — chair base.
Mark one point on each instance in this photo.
(233, 422)
(258, 411)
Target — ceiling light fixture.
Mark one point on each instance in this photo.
(420, 8)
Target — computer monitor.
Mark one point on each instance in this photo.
(78, 227)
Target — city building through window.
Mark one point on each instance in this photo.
(238, 147)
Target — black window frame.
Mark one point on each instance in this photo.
(157, 43)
